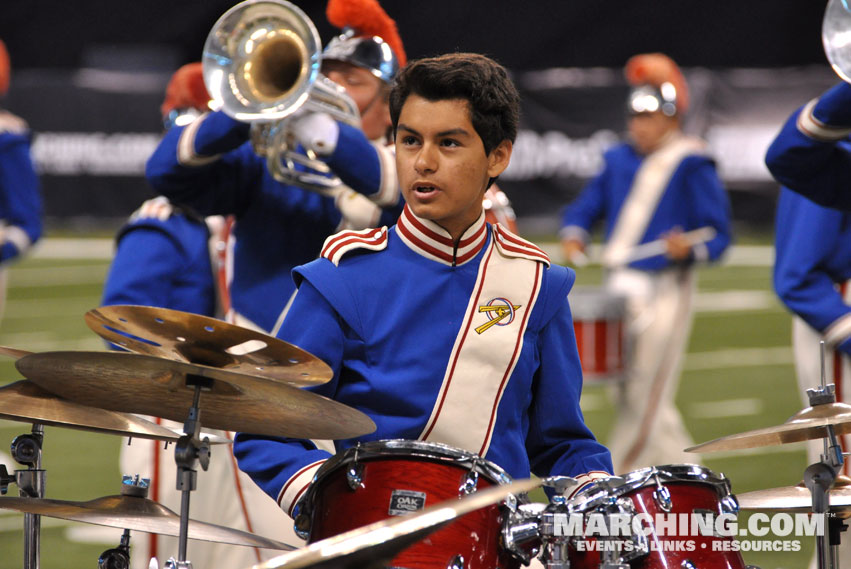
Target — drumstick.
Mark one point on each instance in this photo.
(657, 247)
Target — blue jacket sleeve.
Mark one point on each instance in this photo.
(143, 268)
(208, 165)
(806, 236)
(366, 167)
(20, 195)
(811, 153)
(559, 442)
(579, 216)
(281, 466)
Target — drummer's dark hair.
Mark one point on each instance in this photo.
(484, 83)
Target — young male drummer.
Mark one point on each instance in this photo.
(443, 327)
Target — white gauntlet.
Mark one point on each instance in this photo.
(317, 132)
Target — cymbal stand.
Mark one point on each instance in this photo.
(26, 449)
(189, 449)
(119, 557)
(820, 477)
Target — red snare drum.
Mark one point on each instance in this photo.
(669, 490)
(599, 321)
(379, 479)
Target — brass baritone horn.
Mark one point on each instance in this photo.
(261, 64)
(836, 37)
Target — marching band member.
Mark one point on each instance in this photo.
(655, 187)
(170, 257)
(812, 266)
(811, 154)
(441, 328)
(211, 166)
(20, 193)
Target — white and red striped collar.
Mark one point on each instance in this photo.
(432, 241)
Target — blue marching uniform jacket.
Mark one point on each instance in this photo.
(210, 165)
(813, 246)
(812, 153)
(383, 309)
(694, 197)
(20, 197)
(164, 263)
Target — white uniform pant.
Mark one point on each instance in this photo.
(223, 496)
(837, 369)
(649, 429)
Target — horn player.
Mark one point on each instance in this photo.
(210, 166)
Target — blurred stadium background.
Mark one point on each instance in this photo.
(89, 77)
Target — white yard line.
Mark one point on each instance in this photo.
(739, 357)
(725, 408)
(61, 248)
(737, 255)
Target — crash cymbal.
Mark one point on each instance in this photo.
(135, 513)
(13, 352)
(25, 401)
(798, 498)
(374, 545)
(805, 425)
(136, 383)
(192, 338)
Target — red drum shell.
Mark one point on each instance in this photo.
(336, 508)
(687, 496)
(599, 322)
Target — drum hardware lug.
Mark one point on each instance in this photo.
(469, 482)
(688, 564)
(456, 563)
(521, 531)
(561, 484)
(662, 497)
(729, 505)
(354, 476)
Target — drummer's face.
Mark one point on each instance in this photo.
(649, 130)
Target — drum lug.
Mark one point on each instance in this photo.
(456, 563)
(521, 531)
(729, 505)
(688, 564)
(469, 482)
(662, 497)
(354, 476)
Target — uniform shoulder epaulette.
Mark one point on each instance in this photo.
(337, 245)
(513, 246)
(12, 123)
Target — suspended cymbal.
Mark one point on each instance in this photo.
(135, 513)
(374, 545)
(192, 338)
(798, 498)
(13, 352)
(808, 424)
(136, 383)
(25, 401)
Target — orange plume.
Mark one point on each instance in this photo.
(5, 69)
(186, 90)
(368, 18)
(655, 69)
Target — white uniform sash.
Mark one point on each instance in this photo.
(485, 352)
(647, 188)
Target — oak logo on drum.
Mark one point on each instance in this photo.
(405, 502)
